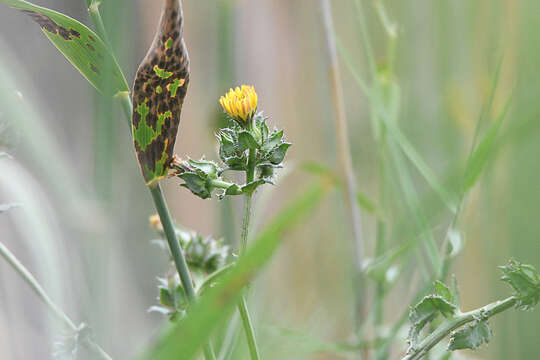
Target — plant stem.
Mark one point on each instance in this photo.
(452, 324)
(95, 15)
(155, 190)
(176, 251)
(40, 292)
(127, 106)
(242, 305)
(344, 155)
(248, 327)
(174, 244)
(245, 222)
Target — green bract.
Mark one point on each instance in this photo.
(204, 255)
(525, 281)
(237, 144)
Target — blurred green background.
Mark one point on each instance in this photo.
(82, 228)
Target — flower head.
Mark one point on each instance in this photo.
(240, 103)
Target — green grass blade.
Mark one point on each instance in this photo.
(80, 45)
(323, 171)
(416, 159)
(185, 339)
(484, 151)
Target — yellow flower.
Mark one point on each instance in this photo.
(240, 103)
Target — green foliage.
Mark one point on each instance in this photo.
(470, 336)
(484, 151)
(443, 291)
(525, 282)
(362, 199)
(523, 279)
(172, 298)
(81, 46)
(235, 146)
(427, 310)
(203, 254)
(199, 176)
(214, 306)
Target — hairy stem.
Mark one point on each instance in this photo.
(248, 328)
(344, 154)
(40, 292)
(242, 305)
(245, 222)
(452, 324)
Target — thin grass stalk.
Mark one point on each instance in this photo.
(44, 297)
(104, 133)
(345, 157)
(447, 247)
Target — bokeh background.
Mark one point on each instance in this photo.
(82, 228)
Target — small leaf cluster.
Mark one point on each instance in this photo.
(204, 255)
(236, 141)
(242, 148)
(442, 301)
(525, 281)
(522, 278)
(172, 297)
(471, 336)
(199, 176)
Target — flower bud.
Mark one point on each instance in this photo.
(240, 103)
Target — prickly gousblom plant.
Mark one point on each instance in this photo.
(246, 146)
(468, 330)
(204, 255)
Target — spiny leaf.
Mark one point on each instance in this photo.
(426, 311)
(443, 291)
(246, 141)
(218, 301)
(80, 45)
(525, 281)
(273, 141)
(471, 336)
(277, 155)
(428, 306)
(158, 94)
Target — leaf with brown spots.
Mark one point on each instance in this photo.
(158, 94)
(80, 45)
